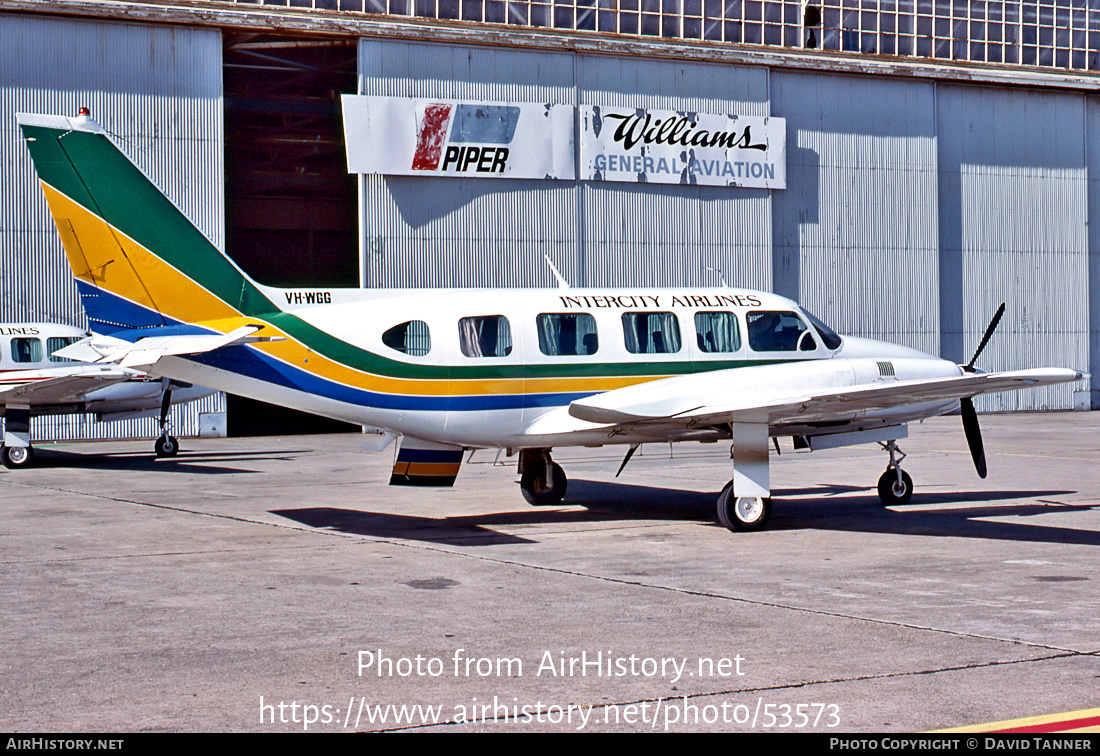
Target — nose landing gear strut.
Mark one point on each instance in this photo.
(895, 487)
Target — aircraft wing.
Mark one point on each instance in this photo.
(770, 396)
(144, 353)
(60, 385)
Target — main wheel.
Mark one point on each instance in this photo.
(541, 493)
(743, 512)
(166, 446)
(17, 457)
(892, 492)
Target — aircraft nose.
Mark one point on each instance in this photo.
(855, 347)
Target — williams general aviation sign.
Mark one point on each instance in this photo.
(426, 137)
(677, 147)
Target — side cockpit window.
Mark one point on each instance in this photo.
(27, 350)
(717, 332)
(485, 336)
(567, 334)
(651, 332)
(779, 331)
(411, 337)
(828, 335)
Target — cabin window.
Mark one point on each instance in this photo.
(411, 338)
(567, 334)
(26, 350)
(779, 332)
(651, 332)
(717, 332)
(485, 336)
(59, 342)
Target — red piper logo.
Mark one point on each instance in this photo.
(430, 137)
(470, 141)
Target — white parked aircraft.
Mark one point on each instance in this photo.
(35, 381)
(523, 370)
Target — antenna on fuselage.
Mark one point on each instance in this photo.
(562, 283)
(721, 277)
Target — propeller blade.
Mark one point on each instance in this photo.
(989, 329)
(973, 435)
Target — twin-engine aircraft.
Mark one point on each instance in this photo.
(523, 370)
(34, 380)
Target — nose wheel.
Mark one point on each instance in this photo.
(895, 487)
(166, 446)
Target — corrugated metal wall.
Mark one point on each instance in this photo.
(855, 231)
(158, 89)
(667, 234)
(1014, 228)
(432, 232)
(912, 208)
(1092, 149)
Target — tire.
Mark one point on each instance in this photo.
(743, 513)
(17, 457)
(538, 493)
(166, 446)
(890, 492)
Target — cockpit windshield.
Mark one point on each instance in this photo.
(828, 335)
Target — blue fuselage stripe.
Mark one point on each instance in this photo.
(110, 310)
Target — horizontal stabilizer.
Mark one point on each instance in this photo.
(144, 353)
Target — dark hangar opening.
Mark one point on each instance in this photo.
(291, 208)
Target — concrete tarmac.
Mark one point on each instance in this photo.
(278, 584)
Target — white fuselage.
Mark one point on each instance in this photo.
(499, 368)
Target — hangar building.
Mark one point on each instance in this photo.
(940, 156)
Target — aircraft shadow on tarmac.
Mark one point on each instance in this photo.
(817, 508)
(467, 530)
(186, 462)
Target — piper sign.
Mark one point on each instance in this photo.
(425, 137)
(681, 147)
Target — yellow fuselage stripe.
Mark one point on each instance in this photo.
(106, 258)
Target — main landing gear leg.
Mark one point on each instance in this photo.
(17, 452)
(895, 487)
(542, 480)
(745, 503)
(166, 445)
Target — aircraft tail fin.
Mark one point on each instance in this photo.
(139, 262)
